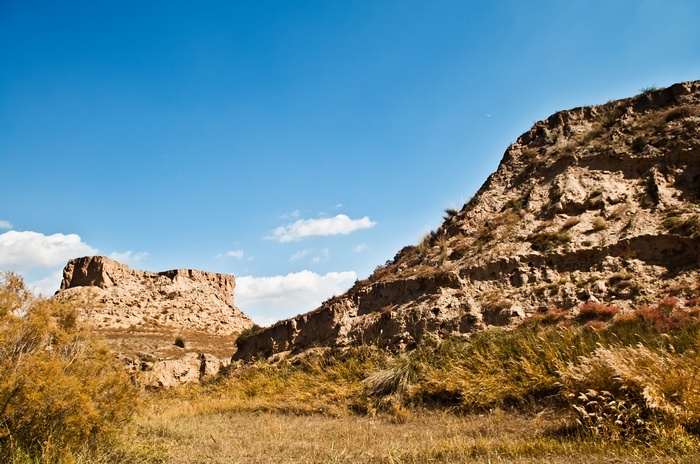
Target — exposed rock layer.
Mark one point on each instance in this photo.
(111, 295)
(598, 203)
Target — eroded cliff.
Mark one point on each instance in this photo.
(598, 203)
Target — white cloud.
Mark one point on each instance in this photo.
(263, 321)
(48, 285)
(285, 296)
(294, 214)
(360, 247)
(5, 225)
(316, 259)
(299, 254)
(238, 254)
(340, 224)
(126, 258)
(21, 251)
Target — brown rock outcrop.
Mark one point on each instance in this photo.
(189, 369)
(140, 314)
(599, 203)
(113, 296)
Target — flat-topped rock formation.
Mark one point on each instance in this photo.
(111, 295)
(142, 314)
(594, 204)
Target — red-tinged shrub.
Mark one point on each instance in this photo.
(548, 317)
(668, 304)
(594, 325)
(661, 320)
(593, 311)
(695, 302)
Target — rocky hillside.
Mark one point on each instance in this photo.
(595, 204)
(142, 314)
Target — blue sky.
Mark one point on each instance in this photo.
(296, 145)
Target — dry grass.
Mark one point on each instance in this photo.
(175, 432)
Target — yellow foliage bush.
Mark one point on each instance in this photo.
(59, 386)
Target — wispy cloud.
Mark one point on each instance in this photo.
(326, 255)
(291, 294)
(22, 251)
(238, 254)
(299, 254)
(127, 258)
(360, 247)
(293, 214)
(5, 225)
(340, 224)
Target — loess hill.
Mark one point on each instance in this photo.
(593, 204)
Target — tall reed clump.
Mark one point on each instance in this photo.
(60, 388)
(634, 392)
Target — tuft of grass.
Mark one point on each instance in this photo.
(548, 241)
(450, 213)
(596, 193)
(687, 227)
(599, 224)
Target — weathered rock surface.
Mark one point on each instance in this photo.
(140, 314)
(112, 295)
(189, 369)
(598, 203)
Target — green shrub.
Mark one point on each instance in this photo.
(59, 387)
(247, 333)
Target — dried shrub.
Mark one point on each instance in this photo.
(59, 387)
(385, 312)
(609, 119)
(639, 144)
(450, 213)
(678, 113)
(649, 197)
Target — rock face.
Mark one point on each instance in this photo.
(189, 369)
(113, 296)
(597, 203)
(141, 314)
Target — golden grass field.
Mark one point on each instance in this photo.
(172, 430)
